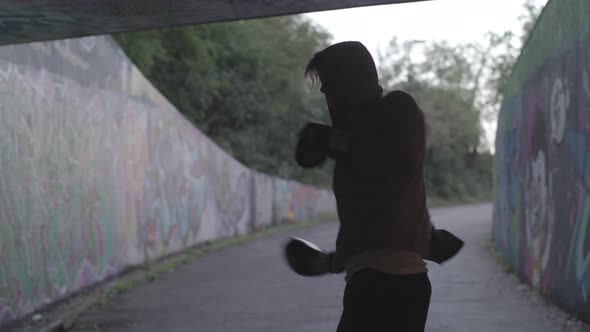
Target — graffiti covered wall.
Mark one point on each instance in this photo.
(542, 206)
(99, 172)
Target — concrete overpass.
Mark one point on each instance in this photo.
(39, 20)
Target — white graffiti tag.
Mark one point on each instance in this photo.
(559, 104)
(538, 224)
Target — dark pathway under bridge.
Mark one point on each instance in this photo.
(249, 288)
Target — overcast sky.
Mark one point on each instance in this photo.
(454, 20)
(458, 21)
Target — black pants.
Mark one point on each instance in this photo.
(376, 301)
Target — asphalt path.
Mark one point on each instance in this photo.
(250, 288)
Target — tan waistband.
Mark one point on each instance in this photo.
(386, 261)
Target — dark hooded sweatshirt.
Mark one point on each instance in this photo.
(379, 188)
(380, 192)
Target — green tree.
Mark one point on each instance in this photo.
(446, 82)
(504, 51)
(241, 83)
(458, 87)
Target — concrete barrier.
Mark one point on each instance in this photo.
(99, 172)
(542, 206)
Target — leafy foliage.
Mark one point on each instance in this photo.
(445, 80)
(458, 87)
(242, 84)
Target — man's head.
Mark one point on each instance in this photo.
(346, 71)
(348, 77)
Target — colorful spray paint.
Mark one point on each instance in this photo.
(542, 205)
(99, 172)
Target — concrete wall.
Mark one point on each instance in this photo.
(98, 172)
(542, 206)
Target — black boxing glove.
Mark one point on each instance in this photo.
(318, 141)
(308, 260)
(443, 246)
(312, 146)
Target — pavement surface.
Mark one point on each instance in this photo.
(250, 288)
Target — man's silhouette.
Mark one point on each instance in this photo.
(378, 144)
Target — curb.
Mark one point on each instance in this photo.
(66, 321)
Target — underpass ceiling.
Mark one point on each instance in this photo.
(37, 20)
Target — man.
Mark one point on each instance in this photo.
(378, 144)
